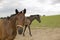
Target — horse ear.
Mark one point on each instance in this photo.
(24, 11)
(16, 11)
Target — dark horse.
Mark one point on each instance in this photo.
(8, 25)
(28, 21)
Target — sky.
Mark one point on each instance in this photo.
(41, 7)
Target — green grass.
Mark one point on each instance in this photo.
(47, 21)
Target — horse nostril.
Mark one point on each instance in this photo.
(20, 30)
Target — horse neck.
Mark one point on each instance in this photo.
(13, 20)
(32, 18)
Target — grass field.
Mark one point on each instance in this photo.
(47, 21)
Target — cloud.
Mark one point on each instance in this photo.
(0, 0)
(55, 1)
(8, 7)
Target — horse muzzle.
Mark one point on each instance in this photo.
(20, 29)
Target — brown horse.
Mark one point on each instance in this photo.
(8, 25)
(28, 21)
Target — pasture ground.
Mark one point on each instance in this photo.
(41, 34)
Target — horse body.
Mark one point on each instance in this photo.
(7, 29)
(28, 21)
(8, 26)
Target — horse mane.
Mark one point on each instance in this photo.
(35, 15)
(12, 15)
(7, 17)
(3, 17)
(15, 14)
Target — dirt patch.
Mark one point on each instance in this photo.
(41, 34)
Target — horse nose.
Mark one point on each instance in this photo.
(20, 29)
